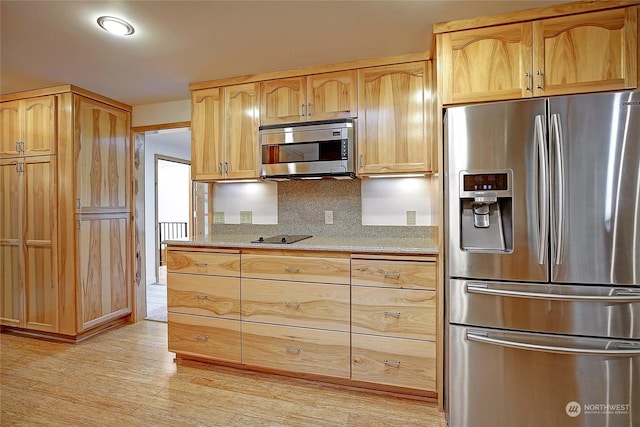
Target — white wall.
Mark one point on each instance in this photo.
(385, 201)
(173, 144)
(174, 186)
(161, 113)
(261, 198)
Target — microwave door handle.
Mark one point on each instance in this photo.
(623, 349)
(543, 189)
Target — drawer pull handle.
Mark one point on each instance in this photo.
(392, 275)
(295, 350)
(202, 337)
(201, 264)
(201, 296)
(292, 304)
(292, 269)
(395, 364)
(388, 313)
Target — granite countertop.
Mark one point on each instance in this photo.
(416, 246)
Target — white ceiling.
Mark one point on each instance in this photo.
(47, 43)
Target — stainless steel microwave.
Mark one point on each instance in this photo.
(323, 149)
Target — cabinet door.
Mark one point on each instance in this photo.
(41, 271)
(10, 129)
(311, 305)
(203, 336)
(206, 135)
(40, 127)
(242, 122)
(332, 96)
(392, 134)
(296, 268)
(11, 267)
(304, 350)
(586, 53)
(394, 361)
(486, 64)
(283, 101)
(102, 157)
(103, 268)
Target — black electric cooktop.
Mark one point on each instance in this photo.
(282, 238)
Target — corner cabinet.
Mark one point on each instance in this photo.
(224, 133)
(323, 96)
(587, 52)
(395, 118)
(65, 232)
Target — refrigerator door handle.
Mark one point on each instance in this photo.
(622, 349)
(619, 295)
(543, 189)
(556, 131)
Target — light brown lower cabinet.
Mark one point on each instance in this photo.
(202, 336)
(404, 313)
(322, 306)
(393, 361)
(103, 268)
(204, 295)
(369, 322)
(305, 350)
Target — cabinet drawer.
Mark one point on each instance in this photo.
(394, 274)
(298, 268)
(303, 350)
(203, 295)
(393, 361)
(221, 264)
(406, 313)
(204, 336)
(296, 303)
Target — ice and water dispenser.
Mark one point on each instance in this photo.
(486, 211)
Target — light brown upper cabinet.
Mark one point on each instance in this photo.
(394, 116)
(102, 157)
(587, 52)
(224, 133)
(241, 131)
(28, 127)
(206, 134)
(322, 96)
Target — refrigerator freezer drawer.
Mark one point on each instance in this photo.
(505, 379)
(597, 311)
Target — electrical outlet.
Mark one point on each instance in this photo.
(328, 217)
(411, 217)
(218, 217)
(246, 217)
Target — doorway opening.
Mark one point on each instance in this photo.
(168, 199)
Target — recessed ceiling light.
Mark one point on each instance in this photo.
(115, 26)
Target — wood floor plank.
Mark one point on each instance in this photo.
(126, 376)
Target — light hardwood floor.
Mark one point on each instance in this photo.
(126, 377)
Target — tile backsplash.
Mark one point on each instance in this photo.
(301, 206)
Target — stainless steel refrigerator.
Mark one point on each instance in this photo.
(542, 253)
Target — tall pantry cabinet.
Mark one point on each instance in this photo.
(65, 232)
